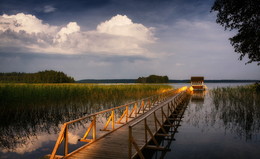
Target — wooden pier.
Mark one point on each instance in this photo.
(197, 83)
(135, 129)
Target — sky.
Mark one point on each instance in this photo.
(118, 39)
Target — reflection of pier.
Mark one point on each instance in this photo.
(130, 128)
(172, 130)
(197, 96)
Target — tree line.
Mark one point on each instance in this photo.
(47, 76)
(153, 79)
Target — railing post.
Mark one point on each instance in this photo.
(126, 114)
(66, 149)
(168, 109)
(162, 114)
(135, 109)
(145, 126)
(175, 103)
(143, 105)
(58, 142)
(113, 119)
(155, 121)
(130, 142)
(94, 131)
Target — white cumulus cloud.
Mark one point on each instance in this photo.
(24, 22)
(63, 34)
(118, 35)
(123, 26)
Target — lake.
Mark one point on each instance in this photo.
(205, 132)
(212, 131)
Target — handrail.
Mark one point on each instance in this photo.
(151, 112)
(138, 107)
(158, 125)
(121, 106)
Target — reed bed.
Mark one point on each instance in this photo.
(31, 94)
(239, 108)
(45, 102)
(62, 102)
(29, 108)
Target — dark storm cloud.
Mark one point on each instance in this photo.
(56, 10)
(93, 56)
(146, 11)
(7, 6)
(120, 59)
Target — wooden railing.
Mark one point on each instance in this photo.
(130, 111)
(156, 123)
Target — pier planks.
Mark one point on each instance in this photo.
(115, 144)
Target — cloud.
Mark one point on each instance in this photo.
(48, 9)
(123, 26)
(200, 47)
(179, 64)
(195, 39)
(24, 22)
(117, 36)
(35, 142)
(63, 34)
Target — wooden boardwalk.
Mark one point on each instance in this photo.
(122, 144)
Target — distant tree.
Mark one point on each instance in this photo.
(165, 79)
(141, 80)
(243, 16)
(153, 79)
(47, 76)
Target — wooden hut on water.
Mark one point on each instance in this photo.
(197, 83)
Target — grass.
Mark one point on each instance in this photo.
(32, 94)
(38, 104)
(29, 108)
(239, 107)
(240, 95)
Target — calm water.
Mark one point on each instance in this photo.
(209, 131)
(202, 133)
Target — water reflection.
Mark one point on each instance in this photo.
(167, 141)
(239, 110)
(198, 96)
(219, 123)
(33, 128)
(25, 129)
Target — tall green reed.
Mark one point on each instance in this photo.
(239, 108)
(29, 108)
(31, 94)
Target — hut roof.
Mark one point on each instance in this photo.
(197, 79)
